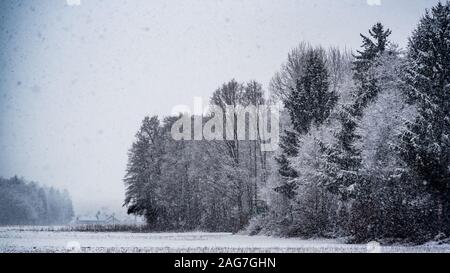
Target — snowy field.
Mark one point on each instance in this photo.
(20, 239)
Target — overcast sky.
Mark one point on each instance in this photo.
(76, 80)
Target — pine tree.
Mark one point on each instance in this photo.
(27, 203)
(343, 160)
(288, 148)
(426, 142)
(372, 47)
(309, 103)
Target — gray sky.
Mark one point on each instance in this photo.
(76, 80)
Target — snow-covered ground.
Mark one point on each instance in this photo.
(16, 239)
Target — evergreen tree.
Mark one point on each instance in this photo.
(426, 143)
(343, 160)
(309, 103)
(288, 149)
(372, 47)
(27, 203)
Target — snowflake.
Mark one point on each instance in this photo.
(73, 2)
(374, 2)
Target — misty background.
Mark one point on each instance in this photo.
(76, 80)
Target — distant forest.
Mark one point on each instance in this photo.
(28, 203)
(364, 150)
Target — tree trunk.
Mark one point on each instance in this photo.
(443, 211)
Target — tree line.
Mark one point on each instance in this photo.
(364, 150)
(27, 203)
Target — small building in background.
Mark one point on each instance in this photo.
(99, 219)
